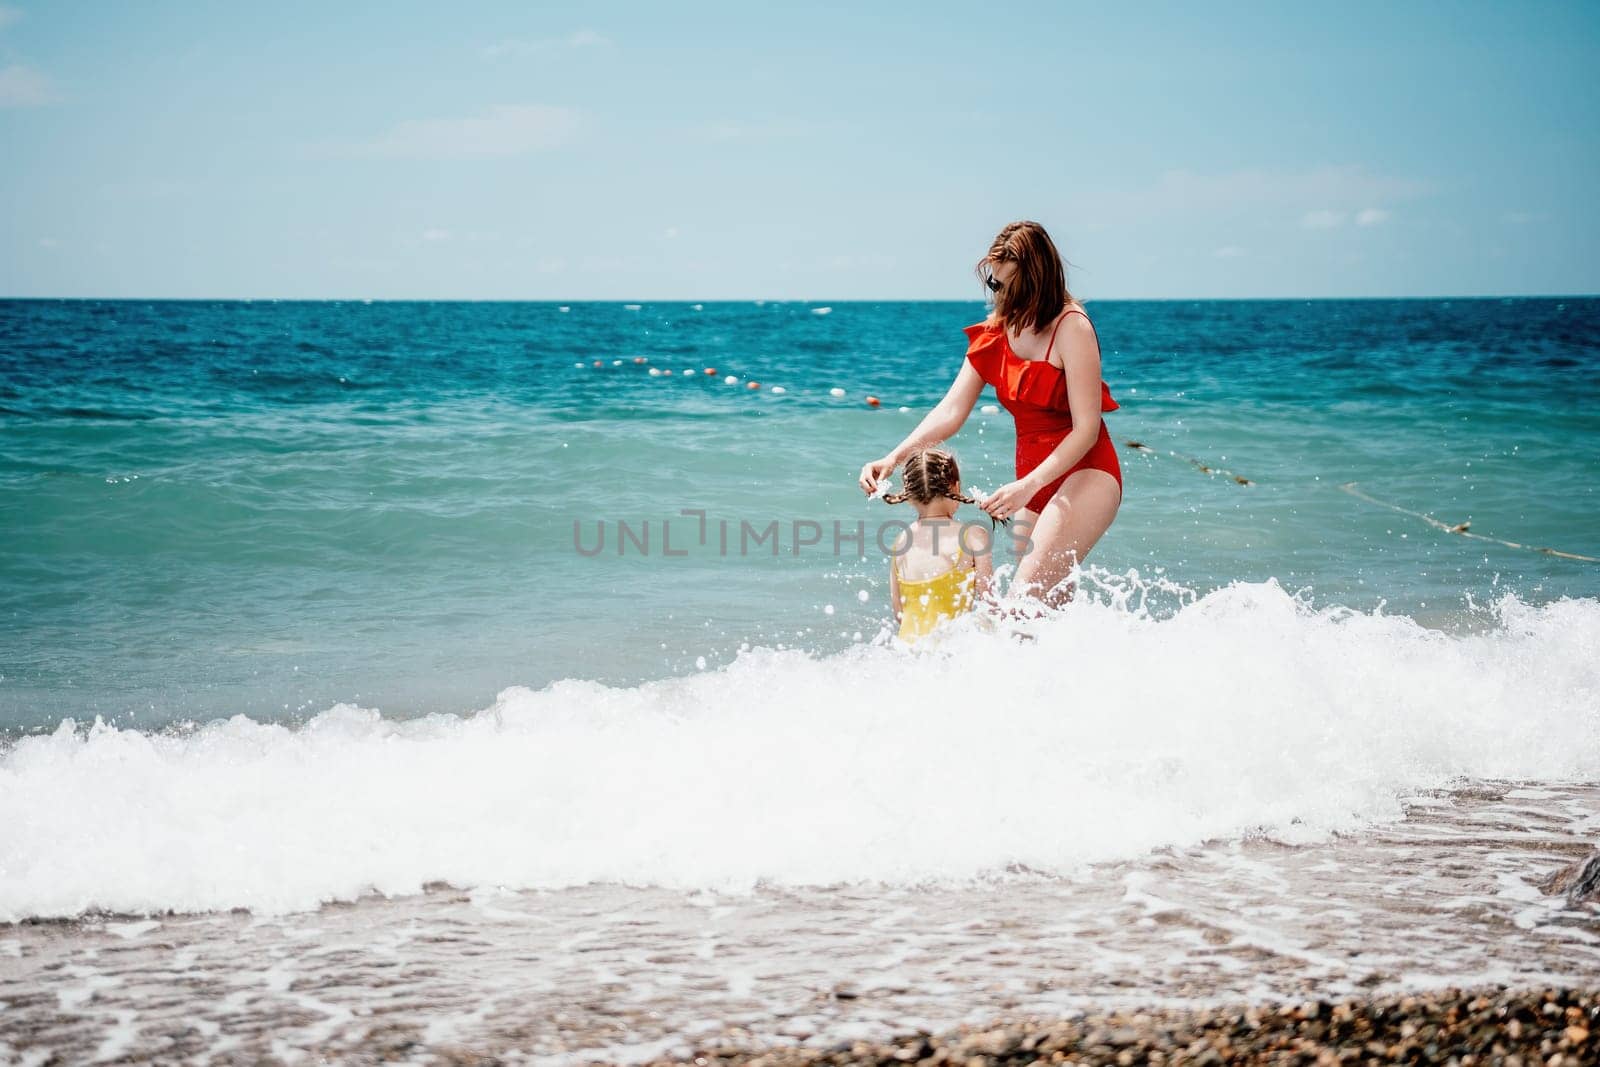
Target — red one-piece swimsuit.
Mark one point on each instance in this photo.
(1035, 392)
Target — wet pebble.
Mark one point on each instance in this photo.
(1553, 1027)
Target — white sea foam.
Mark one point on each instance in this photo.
(1104, 734)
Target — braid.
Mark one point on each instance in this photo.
(930, 473)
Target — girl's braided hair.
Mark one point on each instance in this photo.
(930, 473)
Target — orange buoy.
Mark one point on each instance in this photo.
(638, 359)
(752, 385)
(711, 370)
(666, 372)
(597, 363)
(872, 401)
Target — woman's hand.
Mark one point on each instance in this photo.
(1009, 499)
(875, 472)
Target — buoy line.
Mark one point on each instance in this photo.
(1462, 527)
(711, 372)
(872, 401)
(1200, 465)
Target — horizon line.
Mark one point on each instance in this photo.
(567, 301)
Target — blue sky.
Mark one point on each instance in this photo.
(822, 151)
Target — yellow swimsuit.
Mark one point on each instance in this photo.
(927, 603)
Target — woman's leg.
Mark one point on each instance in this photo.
(1076, 517)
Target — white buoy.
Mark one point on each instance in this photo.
(632, 307)
(904, 410)
(821, 311)
(990, 409)
(563, 307)
(655, 372)
(779, 390)
(616, 363)
(836, 391)
(578, 365)
(863, 596)
(827, 609)
(730, 380)
(698, 307)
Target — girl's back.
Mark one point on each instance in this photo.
(939, 564)
(936, 578)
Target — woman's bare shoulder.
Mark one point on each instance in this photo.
(1076, 323)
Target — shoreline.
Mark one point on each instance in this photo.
(1482, 888)
(1557, 1027)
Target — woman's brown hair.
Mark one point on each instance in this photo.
(1037, 292)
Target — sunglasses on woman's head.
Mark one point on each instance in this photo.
(993, 283)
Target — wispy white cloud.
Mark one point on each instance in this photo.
(1330, 218)
(847, 262)
(725, 129)
(24, 86)
(1320, 198)
(597, 263)
(150, 189)
(503, 132)
(1335, 187)
(1322, 219)
(526, 47)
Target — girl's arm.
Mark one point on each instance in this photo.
(1080, 361)
(947, 416)
(978, 544)
(894, 585)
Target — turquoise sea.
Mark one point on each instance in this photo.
(219, 508)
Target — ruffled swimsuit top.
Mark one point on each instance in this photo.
(1033, 390)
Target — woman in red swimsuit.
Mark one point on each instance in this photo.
(1040, 353)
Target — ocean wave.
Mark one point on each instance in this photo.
(1099, 733)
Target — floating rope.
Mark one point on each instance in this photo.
(1199, 465)
(1462, 527)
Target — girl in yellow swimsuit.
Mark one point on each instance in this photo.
(938, 566)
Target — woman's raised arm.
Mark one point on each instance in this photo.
(945, 419)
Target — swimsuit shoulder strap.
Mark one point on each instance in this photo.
(1052, 346)
(1063, 318)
